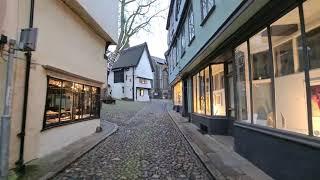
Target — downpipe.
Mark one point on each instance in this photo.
(6, 117)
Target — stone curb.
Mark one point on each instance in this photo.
(52, 174)
(213, 172)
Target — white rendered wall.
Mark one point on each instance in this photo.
(145, 96)
(57, 138)
(144, 67)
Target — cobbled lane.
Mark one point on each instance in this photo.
(147, 145)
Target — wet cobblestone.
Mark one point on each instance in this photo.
(146, 146)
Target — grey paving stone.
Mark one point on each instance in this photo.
(147, 145)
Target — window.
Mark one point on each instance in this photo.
(290, 106)
(177, 94)
(191, 30)
(141, 92)
(312, 26)
(207, 90)
(143, 81)
(261, 67)
(207, 6)
(243, 83)
(174, 56)
(183, 41)
(218, 91)
(119, 76)
(68, 101)
(178, 6)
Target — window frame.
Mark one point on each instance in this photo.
(306, 68)
(204, 18)
(118, 78)
(191, 25)
(46, 126)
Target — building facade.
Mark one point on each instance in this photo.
(236, 69)
(131, 77)
(160, 81)
(66, 74)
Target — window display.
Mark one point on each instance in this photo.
(291, 107)
(68, 101)
(261, 69)
(243, 83)
(177, 96)
(207, 91)
(218, 91)
(312, 26)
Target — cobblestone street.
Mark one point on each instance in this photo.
(147, 145)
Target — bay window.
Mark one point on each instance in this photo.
(69, 101)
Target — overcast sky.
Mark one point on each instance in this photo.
(157, 38)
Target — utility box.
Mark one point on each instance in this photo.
(28, 39)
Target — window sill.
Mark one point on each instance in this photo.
(191, 41)
(48, 127)
(208, 15)
(209, 116)
(282, 134)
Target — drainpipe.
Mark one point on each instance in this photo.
(133, 89)
(21, 135)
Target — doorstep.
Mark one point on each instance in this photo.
(50, 165)
(217, 153)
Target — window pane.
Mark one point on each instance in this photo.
(178, 94)
(95, 102)
(218, 91)
(66, 102)
(207, 89)
(243, 83)
(204, 8)
(291, 109)
(53, 101)
(77, 101)
(261, 84)
(87, 101)
(312, 21)
(194, 84)
(198, 93)
(191, 24)
(202, 93)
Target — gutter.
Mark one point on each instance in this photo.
(21, 135)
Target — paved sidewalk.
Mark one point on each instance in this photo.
(48, 166)
(217, 153)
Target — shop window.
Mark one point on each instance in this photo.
(202, 103)
(261, 63)
(119, 76)
(194, 91)
(68, 101)
(207, 91)
(243, 83)
(53, 101)
(289, 82)
(177, 90)
(230, 90)
(312, 26)
(218, 90)
(191, 29)
(87, 101)
(141, 92)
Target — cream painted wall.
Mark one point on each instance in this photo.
(105, 12)
(66, 42)
(57, 138)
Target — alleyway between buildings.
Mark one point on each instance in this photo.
(147, 145)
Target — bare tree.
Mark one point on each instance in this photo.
(135, 15)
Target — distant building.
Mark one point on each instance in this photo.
(161, 81)
(131, 76)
